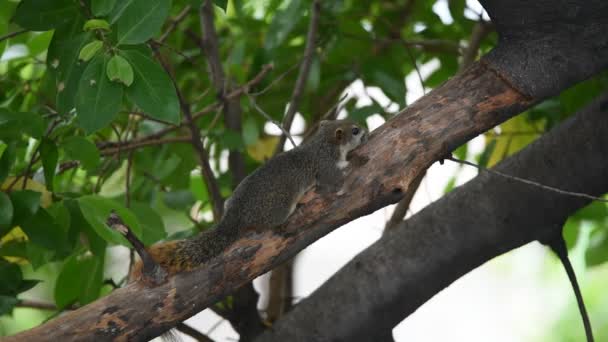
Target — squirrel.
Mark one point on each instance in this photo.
(268, 196)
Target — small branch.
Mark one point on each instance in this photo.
(12, 34)
(111, 148)
(190, 331)
(217, 202)
(404, 205)
(303, 74)
(269, 118)
(32, 304)
(210, 46)
(480, 31)
(152, 272)
(174, 22)
(529, 182)
(155, 138)
(278, 78)
(128, 180)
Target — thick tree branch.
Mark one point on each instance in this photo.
(482, 219)
(465, 106)
(381, 171)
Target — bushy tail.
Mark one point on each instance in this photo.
(185, 255)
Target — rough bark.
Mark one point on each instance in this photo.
(382, 169)
(470, 103)
(472, 224)
(546, 45)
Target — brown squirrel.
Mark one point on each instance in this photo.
(268, 196)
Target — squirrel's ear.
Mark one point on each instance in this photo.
(339, 134)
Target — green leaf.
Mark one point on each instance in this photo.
(450, 185)
(79, 280)
(362, 113)
(119, 70)
(14, 125)
(42, 15)
(223, 4)
(98, 100)
(96, 24)
(90, 50)
(461, 151)
(140, 20)
(6, 213)
(283, 23)
(251, 133)
(96, 244)
(152, 90)
(153, 228)
(393, 87)
(486, 154)
(11, 278)
(27, 284)
(178, 199)
(83, 150)
(62, 59)
(102, 7)
(49, 155)
(198, 188)
(96, 210)
(7, 303)
(43, 231)
(6, 161)
(25, 204)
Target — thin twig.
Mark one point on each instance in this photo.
(190, 331)
(152, 272)
(404, 205)
(216, 325)
(269, 118)
(148, 117)
(480, 31)
(197, 143)
(303, 74)
(109, 150)
(174, 22)
(529, 182)
(279, 78)
(12, 34)
(34, 159)
(408, 51)
(206, 110)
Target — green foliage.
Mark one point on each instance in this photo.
(89, 103)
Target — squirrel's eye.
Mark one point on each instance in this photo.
(355, 130)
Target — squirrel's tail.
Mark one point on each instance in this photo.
(185, 255)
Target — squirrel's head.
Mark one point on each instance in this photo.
(345, 133)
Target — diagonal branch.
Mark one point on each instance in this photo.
(465, 106)
(484, 95)
(475, 222)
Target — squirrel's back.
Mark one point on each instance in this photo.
(267, 197)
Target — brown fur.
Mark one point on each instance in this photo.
(266, 198)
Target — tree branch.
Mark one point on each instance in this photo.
(484, 218)
(427, 130)
(247, 320)
(217, 202)
(482, 96)
(298, 89)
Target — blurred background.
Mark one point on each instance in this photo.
(377, 57)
